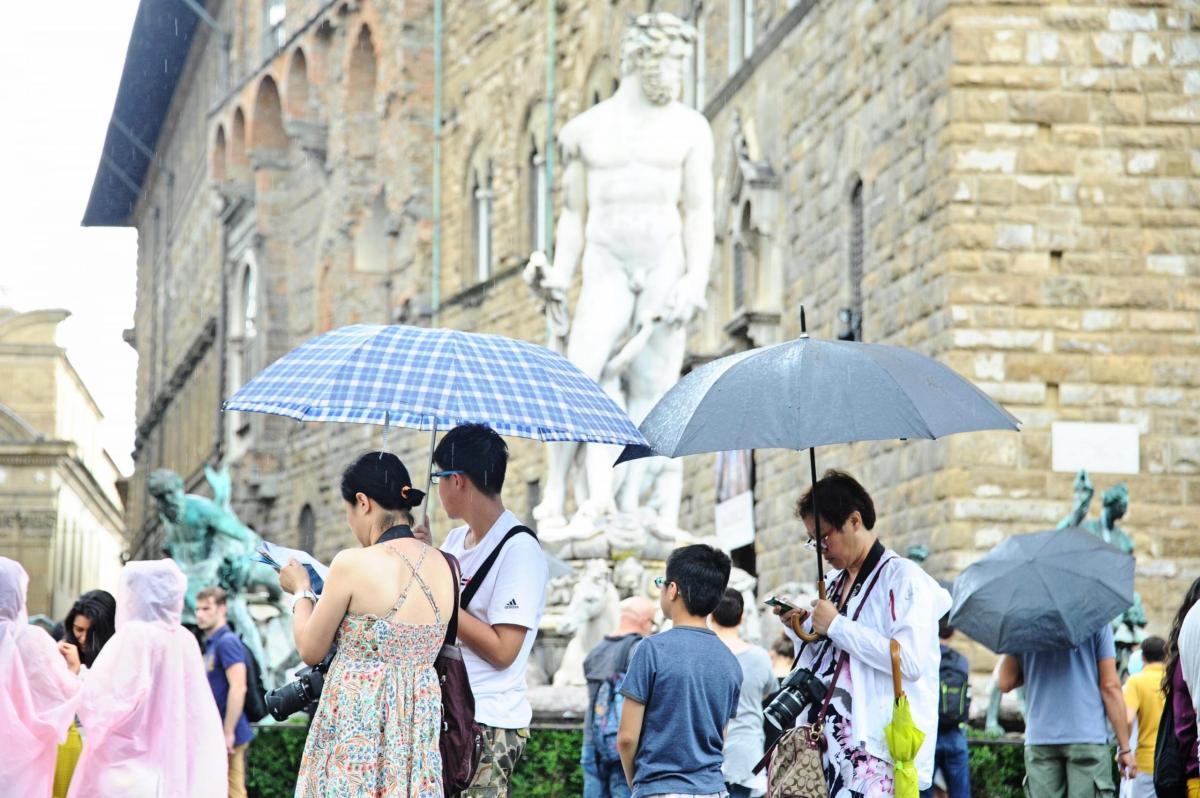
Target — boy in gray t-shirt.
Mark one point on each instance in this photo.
(682, 685)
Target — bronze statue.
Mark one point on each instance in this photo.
(213, 547)
(1128, 627)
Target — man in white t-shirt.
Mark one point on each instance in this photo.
(500, 622)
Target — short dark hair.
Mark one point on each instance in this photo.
(1154, 649)
(214, 592)
(838, 495)
(783, 646)
(945, 630)
(700, 573)
(384, 479)
(477, 451)
(729, 609)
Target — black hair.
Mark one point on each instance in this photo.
(1189, 599)
(783, 646)
(838, 495)
(1154, 649)
(945, 630)
(477, 451)
(100, 608)
(700, 573)
(729, 609)
(384, 479)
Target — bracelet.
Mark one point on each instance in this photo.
(1120, 752)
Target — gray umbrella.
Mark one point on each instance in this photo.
(807, 393)
(810, 392)
(1043, 591)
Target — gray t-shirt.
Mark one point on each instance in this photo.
(744, 739)
(1062, 693)
(689, 682)
(606, 659)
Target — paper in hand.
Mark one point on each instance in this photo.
(278, 556)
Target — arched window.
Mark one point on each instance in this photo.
(219, 154)
(538, 240)
(371, 243)
(297, 86)
(307, 529)
(481, 220)
(274, 26)
(360, 92)
(268, 133)
(851, 317)
(238, 162)
(249, 319)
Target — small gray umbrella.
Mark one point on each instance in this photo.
(809, 392)
(1044, 591)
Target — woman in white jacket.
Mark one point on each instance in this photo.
(875, 596)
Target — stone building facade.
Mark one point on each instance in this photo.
(60, 507)
(1011, 189)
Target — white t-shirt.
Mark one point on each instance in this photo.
(513, 592)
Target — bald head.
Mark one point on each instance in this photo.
(637, 615)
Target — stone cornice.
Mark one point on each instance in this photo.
(62, 457)
(183, 372)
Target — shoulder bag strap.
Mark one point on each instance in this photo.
(455, 574)
(482, 572)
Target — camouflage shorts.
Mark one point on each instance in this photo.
(501, 750)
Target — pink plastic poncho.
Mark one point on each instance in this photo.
(150, 724)
(38, 692)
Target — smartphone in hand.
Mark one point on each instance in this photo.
(783, 604)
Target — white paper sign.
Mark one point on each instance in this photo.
(735, 521)
(1100, 448)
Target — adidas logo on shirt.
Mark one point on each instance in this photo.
(511, 605)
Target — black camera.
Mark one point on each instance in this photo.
(799, 690)
(283, 702)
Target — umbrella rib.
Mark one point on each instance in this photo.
(1054, 601)
(907, 398)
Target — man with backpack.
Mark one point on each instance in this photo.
(604, 667)
(503, 595)
(951, 757)
(225, 659)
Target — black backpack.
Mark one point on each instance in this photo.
(255, 707)
(1170, 765)
(954, 697)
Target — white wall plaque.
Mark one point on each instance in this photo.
(1100, 448)
(735, 521)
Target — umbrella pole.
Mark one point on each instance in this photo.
(429, 472)
(812, 467)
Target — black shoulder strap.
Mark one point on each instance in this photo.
(455, 575)
(480, 574)
(627, 653)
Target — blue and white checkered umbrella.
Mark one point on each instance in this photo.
(436, 379)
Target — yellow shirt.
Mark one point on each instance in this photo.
(1144, 695)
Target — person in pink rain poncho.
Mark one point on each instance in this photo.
(150, 726)
(38, 692)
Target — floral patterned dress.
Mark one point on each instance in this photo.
(850, 771)
(378, 723)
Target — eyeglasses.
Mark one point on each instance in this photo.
(436, 476)
(811, 544)
(660, 582)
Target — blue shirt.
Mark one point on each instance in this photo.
(1062, 693)
(689, 682)
(225, 649)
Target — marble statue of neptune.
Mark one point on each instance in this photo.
(637, 214)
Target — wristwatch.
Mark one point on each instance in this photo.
(305, 594)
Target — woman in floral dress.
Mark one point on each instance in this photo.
(386, 605)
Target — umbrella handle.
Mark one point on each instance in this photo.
(798, 628)
(897, 691)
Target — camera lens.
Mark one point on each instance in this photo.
(784, 709)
